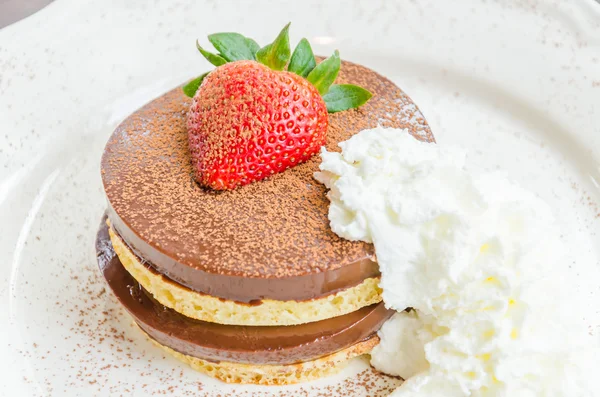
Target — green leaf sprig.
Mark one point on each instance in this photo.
(233, 47)
(277, 54)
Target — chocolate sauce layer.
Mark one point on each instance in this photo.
(242, 344)
(266, 240)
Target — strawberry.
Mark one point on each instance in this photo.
(250, 118)
(248, 122)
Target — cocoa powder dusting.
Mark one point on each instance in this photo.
(108, 355)
(243, 115)
(269, 229)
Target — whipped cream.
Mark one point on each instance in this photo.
(475, 256)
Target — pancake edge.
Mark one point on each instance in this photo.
(267, 312)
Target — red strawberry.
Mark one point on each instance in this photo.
(249, 120)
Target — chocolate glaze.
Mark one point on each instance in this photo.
(242, 344)
(266, 240)
(241, 289)
(257, 302)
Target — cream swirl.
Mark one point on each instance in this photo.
(473, 253)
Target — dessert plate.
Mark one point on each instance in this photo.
(516, 82)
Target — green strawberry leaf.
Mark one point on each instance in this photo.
(215, 59)
(253, 45)
(277, 54)
(190, 88)
(233, 46)
(324, 74)
(303, 59)
(345, 96)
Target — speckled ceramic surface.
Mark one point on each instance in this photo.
(518, 82)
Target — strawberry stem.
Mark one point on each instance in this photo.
(233, 47)
(277, 54)
(215, 59)
(324, 74)
(190, 88)
(303, 59)
(345, 96)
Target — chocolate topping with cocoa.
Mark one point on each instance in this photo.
(270, 239)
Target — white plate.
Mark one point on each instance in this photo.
(518, 82)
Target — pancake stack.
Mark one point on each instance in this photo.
(248, 285)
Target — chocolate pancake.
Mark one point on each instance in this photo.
(233, 343)
(267, 240)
